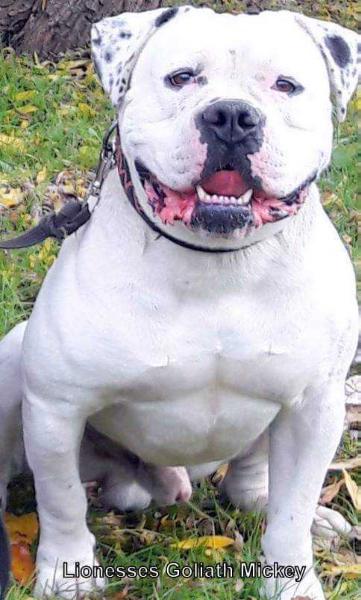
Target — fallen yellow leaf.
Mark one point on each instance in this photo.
(9, 140)
(41, 176)
(353, 490)
(86, 110)
(206, 541)
(23, 529)
(27, 109)
(26, 95)
(10, 197)
(352, 571)
(22, 564)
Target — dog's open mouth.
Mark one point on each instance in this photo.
(220, 204)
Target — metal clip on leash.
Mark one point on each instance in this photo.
(74, 214)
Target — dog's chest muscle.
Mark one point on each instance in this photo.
(202, 379)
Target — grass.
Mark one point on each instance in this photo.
(52, 120)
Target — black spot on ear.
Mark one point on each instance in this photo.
(125, 35)
(108, 57)
(166, 16)
(339, 49)
(97, 41)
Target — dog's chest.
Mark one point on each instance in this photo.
(199, 381)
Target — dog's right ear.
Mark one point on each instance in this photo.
(116, 43)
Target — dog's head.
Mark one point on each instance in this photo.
(224, 120)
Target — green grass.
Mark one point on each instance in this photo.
(58, 126)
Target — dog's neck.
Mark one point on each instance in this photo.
(122, 231)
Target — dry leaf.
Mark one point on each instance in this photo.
(10, 197)
(349, 571)
(9, 140)
(26, 95)
(352, 463)
(330, 491)
(206, 541)
(353, 490)
(23, 529)
(41, 176)
(22, 564)
(220, 474)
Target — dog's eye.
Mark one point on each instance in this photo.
(286, 86)
(181, 78)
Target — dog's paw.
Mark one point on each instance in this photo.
(168, 485)
(67, 578)
(247, 499)
(309, 588)
(329, 524)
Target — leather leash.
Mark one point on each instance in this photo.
(73, 214)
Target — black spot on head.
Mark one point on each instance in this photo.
(97, 41)
(108, 57)
(339, 49)
(166, 16)
(125, 35)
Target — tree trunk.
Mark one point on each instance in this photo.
(49, 27)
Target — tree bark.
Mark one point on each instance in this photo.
(50, 27)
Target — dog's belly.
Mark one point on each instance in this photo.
(213, 424)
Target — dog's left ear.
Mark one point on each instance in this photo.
(116, 43)
(341, 50)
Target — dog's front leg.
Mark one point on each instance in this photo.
(303, 440)
(53, 431)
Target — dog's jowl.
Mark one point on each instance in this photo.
(208, 309)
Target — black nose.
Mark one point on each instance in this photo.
(231, 120)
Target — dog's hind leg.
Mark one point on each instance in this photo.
(110, 468)
(11, 444)
(246, 481)
(127, 482)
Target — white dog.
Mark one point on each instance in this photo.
(207, 311)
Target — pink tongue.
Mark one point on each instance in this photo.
(225, 183)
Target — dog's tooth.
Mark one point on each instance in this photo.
(215, 199)
(207, 198)
(245, 198)
(201, 193)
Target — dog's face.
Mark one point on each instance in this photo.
(225, 119)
